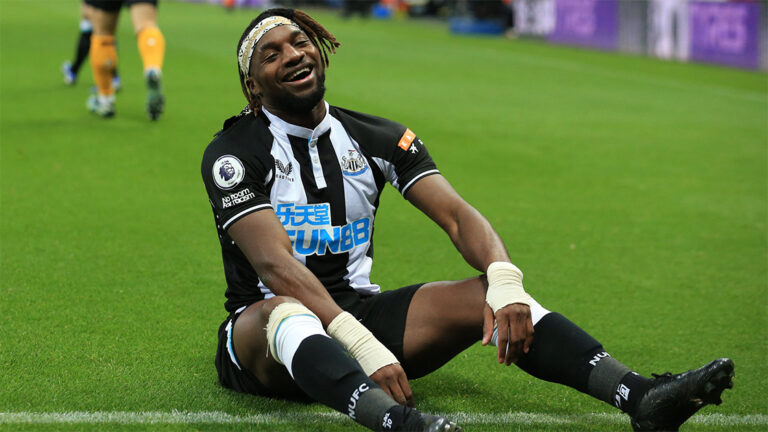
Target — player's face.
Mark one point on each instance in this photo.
(286, 68)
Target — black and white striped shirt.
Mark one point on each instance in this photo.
(324, 185)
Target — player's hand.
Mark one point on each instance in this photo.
(515, 331)
(392, 379)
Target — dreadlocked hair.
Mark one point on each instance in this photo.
(324, 40)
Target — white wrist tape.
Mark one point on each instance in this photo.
(505, 286)
(360, 342)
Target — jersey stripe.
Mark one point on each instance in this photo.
(422, 175)
(329, 268)
(243, 213)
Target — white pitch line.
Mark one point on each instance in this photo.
(218, 417)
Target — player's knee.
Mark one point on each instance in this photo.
(270, 304)
(143, 15)
(259, 317)
(289, 322)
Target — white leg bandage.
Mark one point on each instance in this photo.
(289, 324)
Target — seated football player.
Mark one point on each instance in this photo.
(294, 184)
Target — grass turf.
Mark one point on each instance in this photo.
(632, 192)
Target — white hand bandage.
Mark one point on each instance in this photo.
(360, 342)
(505, 286)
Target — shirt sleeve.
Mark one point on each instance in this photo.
(411, 162)
(236, 184)
(399, 154)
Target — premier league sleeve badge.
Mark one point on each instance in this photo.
(228, 172)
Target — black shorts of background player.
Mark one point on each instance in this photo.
(288, 262)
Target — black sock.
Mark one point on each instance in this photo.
(325, 371)
(83, 46)
(561, 352)
(630, 390)
(564, 353)
(402, 418)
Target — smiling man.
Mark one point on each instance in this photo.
(295, 184)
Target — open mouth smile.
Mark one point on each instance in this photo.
(299, 76)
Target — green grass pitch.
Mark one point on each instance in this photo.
(632, 192)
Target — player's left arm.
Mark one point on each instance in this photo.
(480, 245)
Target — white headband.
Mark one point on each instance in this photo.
(245, 52)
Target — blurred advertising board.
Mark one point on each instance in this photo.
(668, 34)
(591, 23)
(725, 33)
(731, 33)
(534, 17)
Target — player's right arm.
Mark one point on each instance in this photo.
(263, 240)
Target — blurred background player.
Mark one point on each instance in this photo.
(71, 69)
(151, 43)
(508, 17)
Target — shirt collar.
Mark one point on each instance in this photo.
(300, 131)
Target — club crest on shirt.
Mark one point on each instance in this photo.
(353, 163)
(228, 172)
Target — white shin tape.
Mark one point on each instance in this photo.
(289, 324)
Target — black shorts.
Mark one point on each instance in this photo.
(115, 5)
(383, 314)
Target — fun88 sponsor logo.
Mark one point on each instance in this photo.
(311, 233)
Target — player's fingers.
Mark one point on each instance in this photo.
(518, 333)
(487, 324)
(395, 376)
(515, 344)
(379, 378)
(397, 393)
(529, 336)
(386, 390)
(501, 342)
(406, 389)
(386, 378)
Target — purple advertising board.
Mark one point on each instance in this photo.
(254, 3)
(725, 33)
(238, 3)
(592, 23)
